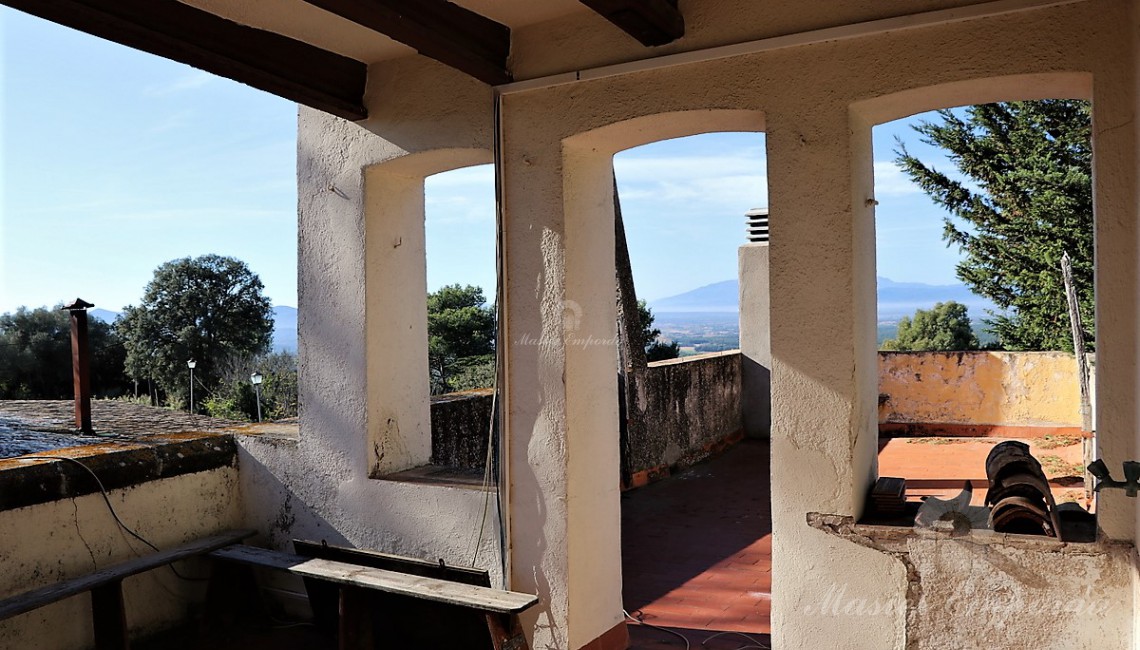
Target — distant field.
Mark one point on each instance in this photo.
(701, 332)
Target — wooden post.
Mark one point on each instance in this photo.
(1078, 341)
(1082, 368)
(81, 363)
(109, 617)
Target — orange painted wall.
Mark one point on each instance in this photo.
(1000, 388)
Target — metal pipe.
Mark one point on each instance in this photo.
(80, 363)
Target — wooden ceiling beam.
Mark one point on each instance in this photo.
(652, 22)
(441, 30)
(276, 64)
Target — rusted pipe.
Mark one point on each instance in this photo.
(81, 363)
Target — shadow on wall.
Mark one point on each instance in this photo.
(691, 408)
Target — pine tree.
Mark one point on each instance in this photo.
(945, 327)
(1026, 198)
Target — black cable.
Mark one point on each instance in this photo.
(107, 500)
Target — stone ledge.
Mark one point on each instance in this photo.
(47, 476)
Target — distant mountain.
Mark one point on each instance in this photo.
(896, 299)
(284, 325)
(105, 315)
(284, 329)
(719, 297)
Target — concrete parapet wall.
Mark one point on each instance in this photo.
(692, 408)
(1013, 389)
(66, 538)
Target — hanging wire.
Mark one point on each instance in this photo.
(111, 508)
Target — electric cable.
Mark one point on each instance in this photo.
(641, 621)
(110, 507)
(754, 641)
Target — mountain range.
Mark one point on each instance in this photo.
(284, 325)
(896, 299)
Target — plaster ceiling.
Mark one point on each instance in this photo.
(305, 22)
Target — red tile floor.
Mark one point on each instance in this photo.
(697, 547)
(697, 551)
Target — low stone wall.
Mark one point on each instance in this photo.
(691, 408)
(459, 423)
(978, 393)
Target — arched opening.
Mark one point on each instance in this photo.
(674, 414)
(977, 339)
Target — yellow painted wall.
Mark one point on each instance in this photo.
(1004, 388)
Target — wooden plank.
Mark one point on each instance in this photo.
(37, 598)
(390, 562)
(109, 617)
(651, 22)
(276, 64)
(441, 30)
(441, 591)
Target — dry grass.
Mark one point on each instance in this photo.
(1055, 466)
(1051, 441)
(937, 441)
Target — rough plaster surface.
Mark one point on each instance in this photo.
(363, 385)
(63, 539)
(991, 595)
(817, 104)
(987, 590)
(688, 404)
(755, 340)
(1009, 388)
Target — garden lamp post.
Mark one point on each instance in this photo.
(190, 364)
(255, 379)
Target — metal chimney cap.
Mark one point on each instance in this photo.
(79, 305)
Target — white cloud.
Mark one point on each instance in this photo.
(190, 81)
(890, 180)
(479, 177)
(171, 122)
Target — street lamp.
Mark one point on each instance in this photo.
(190, 364)
(255, 379)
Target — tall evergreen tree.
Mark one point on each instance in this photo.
(1025, 197)
(461, 339)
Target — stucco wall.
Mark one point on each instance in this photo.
(363, 409)
(817, 103)
(690, 405)
(67, 538)
(996, 388)
(987, 590)
(362, 345)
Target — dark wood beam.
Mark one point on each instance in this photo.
(274, 63)
(652, 22)
(441, 30)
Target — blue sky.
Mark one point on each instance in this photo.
(114, 161)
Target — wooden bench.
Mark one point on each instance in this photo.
(106, 587)
(358, 587)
